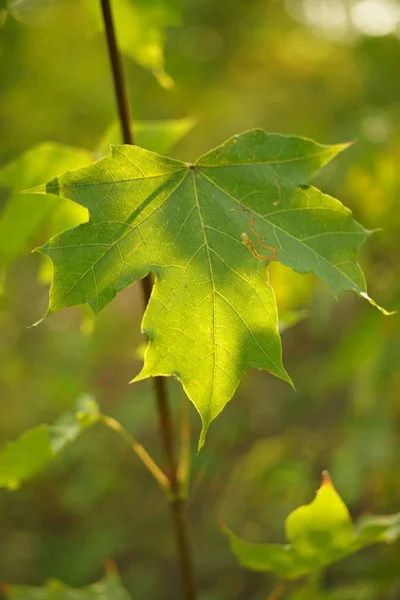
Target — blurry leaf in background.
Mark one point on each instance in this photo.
(345, 20)
(290, 318)
(109, 588)
(33, 12)
(140, 25)
(371, 529)
(3, 13)
(23, 215)
(239, 207)
(157, 136)
(320, 533)
(358, 591)
(35, 449)
(140, 28)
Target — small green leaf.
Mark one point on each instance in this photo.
(319, 533)
(109, 588)
(23, 459)
(381, 528)
(277, 558)
(323, 527)
(33, 451)
(208, 232)
(3, 16)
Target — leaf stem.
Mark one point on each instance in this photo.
(278, 592)
(121, 94)
(141, 452)
(184, 454)
(177, 503)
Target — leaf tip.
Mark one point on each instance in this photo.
(39, 189)
(326, 479)
(286, 377)
(40, 250)
(139, 377)
(203, 434)
(51, 187)
(336, 149)
(344, 146)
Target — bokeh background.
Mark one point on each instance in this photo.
(326, 69)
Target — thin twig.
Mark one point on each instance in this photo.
(121, 94)
(184, 453)
(141, 452)
(277, 592)
(177, 503)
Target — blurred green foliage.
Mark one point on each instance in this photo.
(109, 587)
(35, 449)
(282, 66)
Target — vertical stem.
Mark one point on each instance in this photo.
(278, 592)
(184, 451)
(118, 76)
(177, 503)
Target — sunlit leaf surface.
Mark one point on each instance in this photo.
(208, 232)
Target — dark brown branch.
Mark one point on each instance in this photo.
(177, 503)
(125, 118)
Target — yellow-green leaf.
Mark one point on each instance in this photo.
(322, 527)
(208, 232)
(319, 533)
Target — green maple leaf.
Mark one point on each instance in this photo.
(319, 534)
(207, 231)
